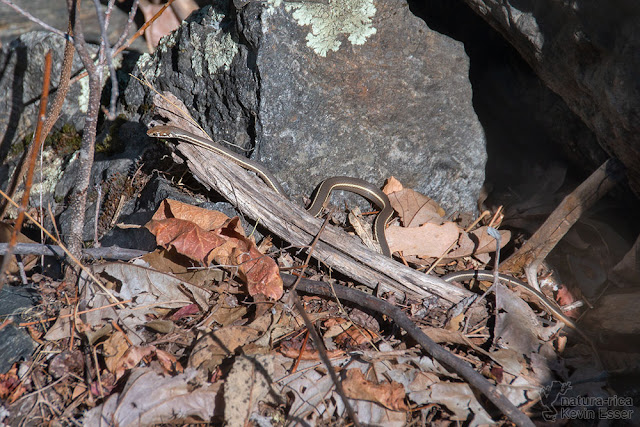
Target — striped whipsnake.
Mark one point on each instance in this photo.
(321, 196)
(363, 188)
(486, 275)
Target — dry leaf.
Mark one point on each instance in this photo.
(225, 244)
(517, 326)
(345, 334)
(172, 262)
(390, 395)
(145, 287)
(11, 386)
(355, 336)
(62, 328)
(135, 354)
(114, 348)
(67, 362)
(459, 398)
(214, 347)
(428, 240)
(163, 25)
(248, 383)
(413, 208)
(293, 349)
(392, 185)
(478, 242)
(149, 399)
(203, 218)
(425, 235)
(28, 261)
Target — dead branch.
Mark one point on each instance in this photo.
(461, 367)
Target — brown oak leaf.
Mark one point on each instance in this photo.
(390, 395)
(180, 226)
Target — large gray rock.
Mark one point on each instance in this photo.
(361, 88)
(589, 53)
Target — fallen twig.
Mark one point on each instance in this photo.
(293, 224)
(110, 252)
(317, 340)
(436, 351)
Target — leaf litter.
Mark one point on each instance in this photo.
(206, 337)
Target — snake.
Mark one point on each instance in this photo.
(322, 193)
(364, 189)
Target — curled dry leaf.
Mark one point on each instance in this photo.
(149, 399)
(180, 226)
(114, 348)
(413, 208)
(293, 349)
(11, 387)
(390, 395)
(133, 355)
(345, 334)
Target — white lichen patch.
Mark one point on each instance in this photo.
(168, 42)
(197, 57)
(220, 49)
(48, 178)
(330, 21)
(51, 173)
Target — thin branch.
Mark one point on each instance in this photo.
(52, 116)
(317, 340)
(65, 250)
(127, 27)
(109, 252)
(37, 142)
(107, 55)
(79, 40)
(144, 26)
(78, 199)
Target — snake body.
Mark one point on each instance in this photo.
(321, 196)
(486, 275)
(365, 189)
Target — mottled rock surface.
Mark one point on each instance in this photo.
(16, 343)
(363, 89)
